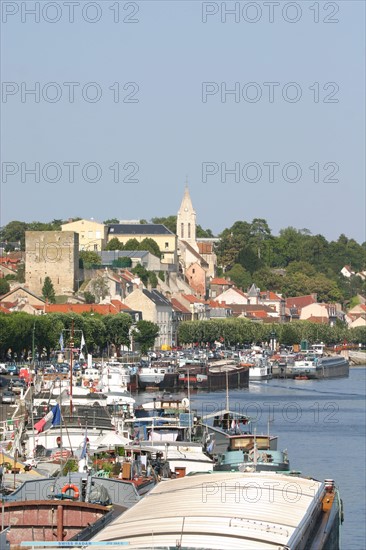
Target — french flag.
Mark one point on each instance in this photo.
(52, 418)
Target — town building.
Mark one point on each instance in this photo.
(164, 238)
(155, 307)
(92, 234)
(22, 299)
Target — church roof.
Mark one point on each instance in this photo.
(186, 201)
(138, 229)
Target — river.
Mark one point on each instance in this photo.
(322, 425)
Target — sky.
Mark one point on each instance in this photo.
(259, 106)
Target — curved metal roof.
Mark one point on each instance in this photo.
(248, 511)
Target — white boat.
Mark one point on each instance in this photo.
(157, 374)
(260, 368)
(243, 511)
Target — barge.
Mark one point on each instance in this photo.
(246, 511)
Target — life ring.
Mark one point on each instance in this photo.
(69, 486)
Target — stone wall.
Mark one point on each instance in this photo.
(54, 254)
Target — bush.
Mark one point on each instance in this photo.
(107, 467)
(71, 465)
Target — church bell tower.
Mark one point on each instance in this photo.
(186, 220)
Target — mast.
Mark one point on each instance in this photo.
(227, 389)
(189, 408)
(71, 348)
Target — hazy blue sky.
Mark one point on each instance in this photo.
(169, 131)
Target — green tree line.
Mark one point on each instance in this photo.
(242, 331)
(100, 331)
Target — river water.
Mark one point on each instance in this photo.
(322, 425)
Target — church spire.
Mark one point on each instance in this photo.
(186, 219)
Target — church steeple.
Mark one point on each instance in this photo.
(186, 219)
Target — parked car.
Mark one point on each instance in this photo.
(8, 397)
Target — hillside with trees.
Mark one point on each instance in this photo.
(292, 263)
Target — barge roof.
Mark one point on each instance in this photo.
(246, 511)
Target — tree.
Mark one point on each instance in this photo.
(89, 297)
(122, 262)
(170, 222)
(48, 292)
(100, 288)
(153, 280)
(117, 329)
(239, 276)
(132, 244)
(203, 233)
(145, 334)
(142, 273)
(88, 259)
(259, 232)
(20, 277)
(151, 246)
(266, 279)
(4, 287)
(114, 244)
(111, 221)
(14, 232)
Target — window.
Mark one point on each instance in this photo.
(182, 230)
(189, 231)
(166, 245)
(90, 234)
(95, 247)
(98, 235)
(193, 271)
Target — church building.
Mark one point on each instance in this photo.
(196, 256)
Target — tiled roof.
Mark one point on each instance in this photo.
(4, 309)
(300, 301)
(204, 248)
(179, 307)
(8, 305)
(221, 281)
(238, 309)
(215, 304)
(269, 295)
(138, 229)
(127, 275)
(319, 320)
(192, 299)
(5, 260)
(259, 313)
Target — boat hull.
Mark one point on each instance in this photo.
(327, 367)
(238, 378)
(49, 520)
